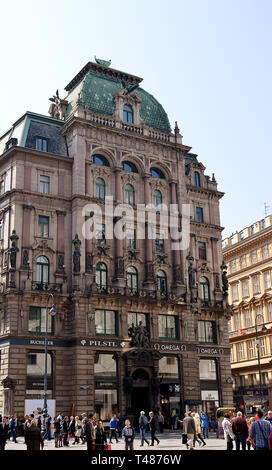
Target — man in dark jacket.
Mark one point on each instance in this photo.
(189, 428)
(33, 437)
(100, 436)
(240, 431)
(154, 425)
(4, 431)
(90, 433)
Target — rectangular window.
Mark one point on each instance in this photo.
(104, 365)
(43, 226)
(37, 319)
(245, 288)
(106, 322)
(267, 279)
(202, 251)
(269, 306)
(265, 252)
(131, 239)
(243, 261)
(207, 369)
(254, 257)
(105, 403)
(134, 318)
(2, 187)
(251, 349)
(44, 184)
(233, 266)
(168, 327)
(35, 372)
(234, 292)
(159, 244)
(41, 144)
(240, 351)
(256, 286)
(207, 332)
(248, 318)
(1, 229)
(262, 347)
(237, 322)
(199, 214)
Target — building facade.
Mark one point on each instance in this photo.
(248, 257)
(109, 141)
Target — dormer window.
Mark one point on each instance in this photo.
(196, 178)
(41, 144)
(127, 113)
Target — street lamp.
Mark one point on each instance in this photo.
(51, 312)
(258, 353)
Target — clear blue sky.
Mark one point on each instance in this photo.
(207, 61)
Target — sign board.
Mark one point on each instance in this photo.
(35, 406)
(209, 395)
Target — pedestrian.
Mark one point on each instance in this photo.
(161, 421)
(228, 433)
(39, 423)
(173, 420)
(90, 433)
(72, 427)
(4, 431)
(120, 425)
(270, 440)
(269, 417)
(260, 430)
(100, 436)
(78, 430)
(47, 434)
(113, 428)
(65, 430)
(198, 436)
(12, 425)
(248, 442)
(189, 428)
(143, 425)
(204, 425)
(129, 435)
(33, 437)
(84, 421)
(240, 431)
(57, 431)
(153, 424)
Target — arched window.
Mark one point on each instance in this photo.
(127, 113)
(101, 275)
(129, 166)
(156, 173)
(196, 178)
(42, 270)
(161, 282)
(157, 197)
(100, 188)
(204, 289)
(132, 278)
(129, 194)
(100, 160)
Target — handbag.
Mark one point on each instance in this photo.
(107, 447)
(184, 438)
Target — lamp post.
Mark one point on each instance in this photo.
(258, 353)
(52, 312)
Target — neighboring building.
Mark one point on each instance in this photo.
(248, 257)
(108, 137)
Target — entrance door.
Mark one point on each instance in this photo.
(140, 396)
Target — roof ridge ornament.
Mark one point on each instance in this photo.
(104, 63)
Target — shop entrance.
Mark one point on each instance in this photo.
(140, 396)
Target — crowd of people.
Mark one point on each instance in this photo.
(254, 433)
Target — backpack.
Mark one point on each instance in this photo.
(143, 422)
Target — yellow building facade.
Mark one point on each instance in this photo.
(248, 257)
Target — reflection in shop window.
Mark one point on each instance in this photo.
(207, 369)
(104, 365)
(35, 373)
(105, 403)
(106, 322)
(37, 320)
(135, 318)
(168, 367)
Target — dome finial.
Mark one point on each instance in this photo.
(105, 63)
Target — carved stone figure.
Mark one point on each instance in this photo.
(225, 282)
(191, 274)
(58, 107)
(76, 255)
(13, 254)
(141, 336)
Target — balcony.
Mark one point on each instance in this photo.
(46, 287)
(139, 294)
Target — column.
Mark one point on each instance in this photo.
(149, 273)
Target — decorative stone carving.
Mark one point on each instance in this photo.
(76, 255)
(8, 382)
(58, 107)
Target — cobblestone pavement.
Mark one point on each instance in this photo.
(168, 441)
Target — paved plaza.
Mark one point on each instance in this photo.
(169, 441)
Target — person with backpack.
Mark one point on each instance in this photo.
(129, 435)
(143, 425)
(260, 430)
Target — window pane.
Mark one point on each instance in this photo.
(105, 404)
(207, 369)
(168, 367)
(105, 365)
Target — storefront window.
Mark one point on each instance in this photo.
(35, 373)
(105, 404)
(104, 365)
(168, 367)
(207, 369)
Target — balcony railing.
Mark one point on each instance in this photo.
(138, 293)
(46, 287)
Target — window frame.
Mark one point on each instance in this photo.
(206, 324)
(129, 194)
(42, 226)
(41, 311)
(100, 189)
(42, 140)
(128, 115)
(165, 328)
(199, 214)
(104, 332)
(101, 271)
(44, 184)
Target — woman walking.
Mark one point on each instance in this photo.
(228, 433)
(198, 437)
(248, 442)
(78, 430)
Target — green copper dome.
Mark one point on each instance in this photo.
(96, 89)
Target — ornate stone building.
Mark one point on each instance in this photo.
(248, 257)
(138, 324)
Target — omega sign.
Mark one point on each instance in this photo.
(169, 347)
(210, 351)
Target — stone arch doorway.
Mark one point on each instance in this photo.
(141, 394)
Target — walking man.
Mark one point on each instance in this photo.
(4, 430)
(153, 424)
(143, 425)
(113, 428)
(240, 431)
(90, 433)
(260, 430)
(189, 428)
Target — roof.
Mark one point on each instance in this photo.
(97, 86)
(31, 125)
